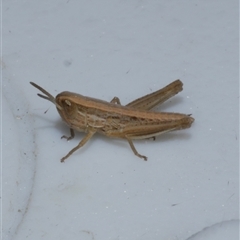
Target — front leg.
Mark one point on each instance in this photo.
(72, 134)
(81, 143)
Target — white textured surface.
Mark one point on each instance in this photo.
(189, 187)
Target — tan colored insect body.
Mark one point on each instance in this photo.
(133, 121)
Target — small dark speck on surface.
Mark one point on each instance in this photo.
(67, 63)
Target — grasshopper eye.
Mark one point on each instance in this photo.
(68, 103)
(69, 107)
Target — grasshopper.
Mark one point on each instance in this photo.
(133, 121)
